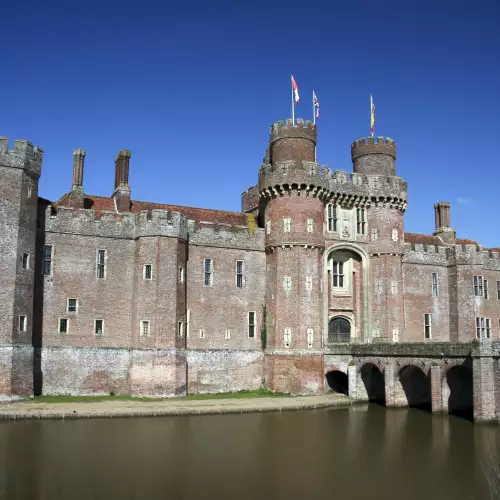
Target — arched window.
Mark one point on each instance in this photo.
(339, 330)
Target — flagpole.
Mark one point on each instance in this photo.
(372, 130)
(293, 103)
(314, 110)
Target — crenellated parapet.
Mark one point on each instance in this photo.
(374, 155)
(292, 141)
(24, 156)
(116, 225)
(285, 130)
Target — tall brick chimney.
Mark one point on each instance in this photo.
(76, 195)
(122, 188)
(443, 223)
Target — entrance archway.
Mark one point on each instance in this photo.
(339, 330)
(338, 382)
(374, 383)
(460, 400)
(416, 387)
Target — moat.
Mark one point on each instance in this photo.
(356, 453)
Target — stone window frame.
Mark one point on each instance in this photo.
(287, 225)
(181, 274)
(69, 308)
(59, 324)
(374, 234)
(361, 221)
(394, 287)
(96, 332)
(208, 271)
(287, 337)
(287, 284)
(252, 325)
(395, 334)
(100, 263)
(395, 235)
(268, 227)
(145, 327)
(25, 261)
(309, 283)
(202, 333)
(478, 283)
(435, 284)
(310, 337)
(23, 323)
(227, 334)
(332, 218)
(483, 326)
(498, 289)
(239, 272)
(48, 260)
(310, 225)
(145, 269)
(427, 326)
(486, 290)
(180, 329)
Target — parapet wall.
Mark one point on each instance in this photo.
(284, 130)
(250, 199)
(24, 155)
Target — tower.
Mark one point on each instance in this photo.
(20, 170)
(292, 187)
(374, 161)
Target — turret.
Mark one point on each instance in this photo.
(289, 142)
(374, 156)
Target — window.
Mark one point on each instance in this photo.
(332, 218)
(63, 325)
(395, 335)
(72, 305)
(30, 192)
(485, 282)
(287, 283)
(310, 225)
(207, 267)
(287, 337)
(145, 327)
(23, 321)
(483, 328)
(379, 286)
(309, 283)
(202, 333)
(498, 290)
(427, 326)
(478, 286)
(98, 326)
(47, 260)
(435, 288)
(310, 337)
(26, 260)
(395, 235)
(337, 274)
(252, 324)
(147, 272)
(339, 330)
(268, 227)
(361, 221)
(287, 225)
(374, 234)
(394, 287)
(101, 264)
(181, 274)
(180, 329)
(227, 334)
(239, 274)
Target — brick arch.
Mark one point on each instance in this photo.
(457, 388)
(370, 380)
(334, 368)
(371, 361)
(412, 386)
(403, 363)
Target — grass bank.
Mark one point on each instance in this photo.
(259, 393)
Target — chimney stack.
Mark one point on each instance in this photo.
(443, 223)
(122, 188)
(76, 195)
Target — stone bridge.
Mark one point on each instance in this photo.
(459, 378)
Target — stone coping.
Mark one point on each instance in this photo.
(113, 409)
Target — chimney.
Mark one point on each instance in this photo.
(76, 195)
(443, 223)
(122, 189)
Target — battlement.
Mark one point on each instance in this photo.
(284, 130)
(250, 199)
(24, 155)
(373, 145)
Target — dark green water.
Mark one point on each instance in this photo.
(365, 452)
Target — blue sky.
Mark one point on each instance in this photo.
(192, 87)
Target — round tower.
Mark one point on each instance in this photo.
(292, 186)
(375, 160)
(374, 156)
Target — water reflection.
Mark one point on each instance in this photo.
(357, 453)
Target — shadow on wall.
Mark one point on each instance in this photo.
(373, 379)
(338, 382)
(460, 401)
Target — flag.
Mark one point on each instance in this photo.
(316, 105)
(295, 90)
(372, 115)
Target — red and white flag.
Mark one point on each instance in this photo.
(315, 105)
(295, 90)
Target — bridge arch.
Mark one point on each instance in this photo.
(458, 390)
(338, 381)
(413, 387)
(371, 383)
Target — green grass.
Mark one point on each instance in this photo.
(223, 395)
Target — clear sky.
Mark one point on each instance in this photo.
(191, 89)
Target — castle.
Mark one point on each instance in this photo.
(105, 295)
